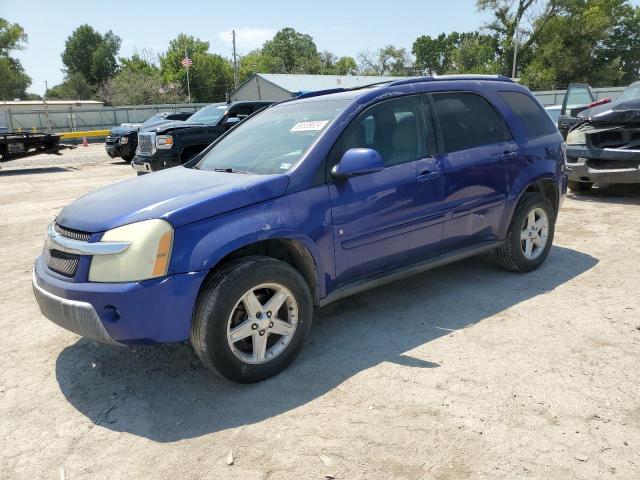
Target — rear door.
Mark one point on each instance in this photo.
(576, 100)
(478, 158)
(393, 217)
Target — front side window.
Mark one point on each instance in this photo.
(209, 115)
(274, 140)
(467, 120)
(394, 128)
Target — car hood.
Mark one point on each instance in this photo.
(622, 112)
(119, 131)
(179, 195)
(159, 126)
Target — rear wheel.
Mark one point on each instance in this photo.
(530, 235)
(580, 186)
(251, 318)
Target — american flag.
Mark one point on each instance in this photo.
(186, 62)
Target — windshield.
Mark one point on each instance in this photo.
(208, 115)
(632, 92)
(274, 140)
(154, 118)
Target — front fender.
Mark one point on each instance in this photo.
(304, 217)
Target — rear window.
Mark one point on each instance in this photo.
(535, 119)
(467, 120)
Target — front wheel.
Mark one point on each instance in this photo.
(251, 318)
(530, 235)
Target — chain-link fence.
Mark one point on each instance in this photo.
(77, 119)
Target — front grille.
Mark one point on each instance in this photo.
(145, 143)
(70, 233)
(63, 263)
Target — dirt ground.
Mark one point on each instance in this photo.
(463, 372)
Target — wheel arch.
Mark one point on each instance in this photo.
(287, 249)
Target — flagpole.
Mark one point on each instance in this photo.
(188, 87)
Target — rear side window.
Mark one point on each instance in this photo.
(467, 120)
(535, 119)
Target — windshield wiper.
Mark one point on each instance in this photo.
(228, 170)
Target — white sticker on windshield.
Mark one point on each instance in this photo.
(285, 166)
(313, 126)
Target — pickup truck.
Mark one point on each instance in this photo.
(123, 141)
(176, 144)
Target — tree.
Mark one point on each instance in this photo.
(91, 54)
(15, 81)
(388, 60)
(74, 87)
(469, 52)
(292, 52)
(592, 41)
(210, 76)
(346, 66)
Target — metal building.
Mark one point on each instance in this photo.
(276, 86)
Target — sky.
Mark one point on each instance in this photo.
(342, 27)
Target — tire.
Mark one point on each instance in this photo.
(127, 158)
(221, 310)
(579, 186)
(514, 255)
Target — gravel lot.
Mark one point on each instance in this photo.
(462, 372)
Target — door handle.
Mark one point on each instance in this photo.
(427, 175)
(509, 155)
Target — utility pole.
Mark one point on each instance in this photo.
(46, 110)
(515, 53)
(235, 61)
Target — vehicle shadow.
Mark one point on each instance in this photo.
(163, 393)
(31, 171)
(624, 194)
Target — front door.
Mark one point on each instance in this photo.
(390, 218)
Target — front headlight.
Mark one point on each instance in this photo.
(147, 256)
(164, 141)
(576, 137)
(124, 140)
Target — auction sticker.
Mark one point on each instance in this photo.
(313, 126)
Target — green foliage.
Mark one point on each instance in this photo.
(290, 51)
(469, 52)
(346, 66)
(91, 54)
(210, 76)
(14, 81)
(388, 60)
(74, 87)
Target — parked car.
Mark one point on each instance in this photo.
(305, 203)
(122, 141)
(554, 112)
(174, 145)
(578, 98)
(604, 146)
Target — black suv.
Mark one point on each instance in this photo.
(123, 141)
(176, 144)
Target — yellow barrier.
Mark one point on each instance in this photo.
(88, 133)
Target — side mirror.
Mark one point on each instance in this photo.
(358, 161)
(230, 122)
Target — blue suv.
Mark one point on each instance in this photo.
(307, 202)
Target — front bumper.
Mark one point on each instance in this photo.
(154, 163)
(595, 165)
(151, 311)
(113, 150)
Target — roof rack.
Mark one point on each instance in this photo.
(496, 78)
